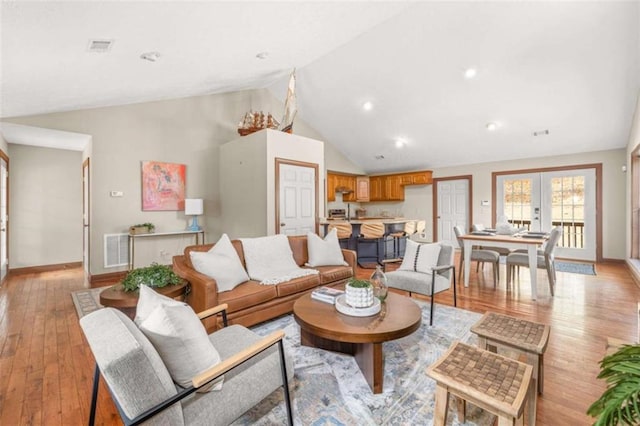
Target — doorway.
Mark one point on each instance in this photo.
(545, 199)
(4, 216)
(296, 197)
(452, 207)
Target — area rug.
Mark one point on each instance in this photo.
(87, 300)
(329, 389)
(570, 267)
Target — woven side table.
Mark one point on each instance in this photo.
(490, 381)
(522, 336)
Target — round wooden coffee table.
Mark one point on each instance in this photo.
(323, 327)
(126, 301)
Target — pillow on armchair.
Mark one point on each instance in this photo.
(179, 337)
(420, 257)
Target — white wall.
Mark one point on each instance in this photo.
(632, 145)
(187, 131)
(45, 206)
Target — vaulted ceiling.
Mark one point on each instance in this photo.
(568, 71)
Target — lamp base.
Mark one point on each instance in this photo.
(194, 225)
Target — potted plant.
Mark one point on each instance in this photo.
(153, 276)
(620, 403)
(142, 228)
(359, 293)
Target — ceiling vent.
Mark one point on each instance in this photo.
(99, 46)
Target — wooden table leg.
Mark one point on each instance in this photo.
(442, 405)
(370, 360)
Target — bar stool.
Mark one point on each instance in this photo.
(370, 233)
(344, 231)
(409, 229)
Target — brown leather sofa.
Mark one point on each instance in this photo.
(250, 302)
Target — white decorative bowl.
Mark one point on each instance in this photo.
(359, 297)
(343, 308)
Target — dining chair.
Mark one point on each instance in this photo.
(544, 261)
(479, 255)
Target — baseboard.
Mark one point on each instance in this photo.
(101, 279)
(609, 260)
(44, 268)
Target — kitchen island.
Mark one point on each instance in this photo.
(391, 225)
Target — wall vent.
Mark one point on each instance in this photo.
(100, 46)
(116, 250)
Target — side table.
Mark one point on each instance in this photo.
(126, 301)
(490, 381)
(522, 336)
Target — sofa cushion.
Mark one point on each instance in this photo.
(420, 257)
(247, 295)
(181, 340)
(220, 263)
(324, 252)
(297, 285)
(331, 274)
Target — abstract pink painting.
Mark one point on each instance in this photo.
(162, 186)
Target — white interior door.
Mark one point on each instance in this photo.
(453, 196)
(4, 218)
(542, 201)
(297, 194)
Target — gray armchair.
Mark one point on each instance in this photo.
(428, 284)
(142, 389)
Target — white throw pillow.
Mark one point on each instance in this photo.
(182, 342)
(150, 299)
(420, 257)
(221, 263)
(324, 252)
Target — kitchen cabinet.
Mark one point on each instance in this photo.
(416, 178)
(332, 182)
(393, 190)
(362, 189)
(375, 188)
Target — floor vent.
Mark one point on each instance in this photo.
(116, 250)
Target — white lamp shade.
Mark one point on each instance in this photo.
(193, 206)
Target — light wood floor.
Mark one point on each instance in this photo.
(46, 366)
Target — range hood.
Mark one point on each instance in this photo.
(343, 189)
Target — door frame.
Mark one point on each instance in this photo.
(280, 161)
(5, 157)
(598, 171)
(469, 179)
(86, 217)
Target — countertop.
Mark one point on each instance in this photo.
(361, 220)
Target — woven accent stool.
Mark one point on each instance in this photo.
(489, 381)
(523, 337)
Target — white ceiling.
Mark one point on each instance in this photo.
(570, 67)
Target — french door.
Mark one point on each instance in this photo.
(542, 201)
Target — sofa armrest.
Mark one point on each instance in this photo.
(204, 290)
(351, 259)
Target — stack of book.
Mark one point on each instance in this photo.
(326, 294)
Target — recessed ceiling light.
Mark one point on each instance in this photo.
(150, 56)
(400, 142)
(262, 55)
(492, 126)
(367, 106)
(470, 73)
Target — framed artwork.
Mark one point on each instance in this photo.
(163, 186)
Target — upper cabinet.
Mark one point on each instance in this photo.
(374, 188)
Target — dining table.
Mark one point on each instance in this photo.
(527, 241)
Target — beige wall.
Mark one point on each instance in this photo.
(634, 143)
(45, 206)
(187, 131)
(3, 144)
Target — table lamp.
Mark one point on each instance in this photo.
(193, 207)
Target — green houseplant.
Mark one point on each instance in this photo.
(620, 403)
(153, 276)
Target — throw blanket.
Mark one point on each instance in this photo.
(270, 260)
